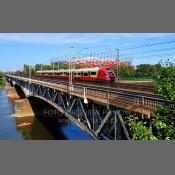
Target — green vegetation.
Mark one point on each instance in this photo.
(164, 82)
(1, 75)
(2, 80)
(140, 72)
(139, 129)
(162, 126)
(137, 79)
(39, 67)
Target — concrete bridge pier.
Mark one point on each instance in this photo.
(22, 107)
(11, 91)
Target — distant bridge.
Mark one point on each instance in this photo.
(95, 110)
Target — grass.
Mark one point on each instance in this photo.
(137, 78)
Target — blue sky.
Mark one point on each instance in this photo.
(17, 49)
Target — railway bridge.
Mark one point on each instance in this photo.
(96, 110)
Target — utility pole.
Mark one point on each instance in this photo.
(70, 68)
(53, 67)
(34, 69)
(30, 72)
(70, 72)
(118, 59)
(25, 72)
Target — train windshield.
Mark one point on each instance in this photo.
(110, 72)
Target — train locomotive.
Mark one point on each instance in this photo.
(102, 74)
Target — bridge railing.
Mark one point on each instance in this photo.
(148, 102)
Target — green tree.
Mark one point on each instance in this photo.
(163, 124)
(25, 69)
(2, 81)
(164, 82)
(145, 70)
(139, 129)
(125, 71)
(1, 75)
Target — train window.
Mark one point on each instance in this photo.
(85, 74)
(93, 73)
(79, 73)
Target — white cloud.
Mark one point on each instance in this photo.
(75, 38)
(47, 38)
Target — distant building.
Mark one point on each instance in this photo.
(92, 62)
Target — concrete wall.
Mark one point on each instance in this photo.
(11, 92)
(23, 108)
(22, 105)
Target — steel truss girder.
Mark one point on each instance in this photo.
(98, 123)
(84, 113)
(103, 123)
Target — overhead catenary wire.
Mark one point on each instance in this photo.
(159, 50)
(147, 45)
(141, 46)
(110, 52)
(170, 54)
(91, 48)
(134, 41)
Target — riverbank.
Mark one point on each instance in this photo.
(2, 82)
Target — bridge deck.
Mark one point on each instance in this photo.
(137, 103)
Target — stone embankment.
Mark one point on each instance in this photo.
(22, 107)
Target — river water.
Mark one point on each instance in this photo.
(32, 128)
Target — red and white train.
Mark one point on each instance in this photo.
(102, 74)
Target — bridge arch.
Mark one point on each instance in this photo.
(42, 106)
(11, 83)
(19, 91)
(49, 115)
